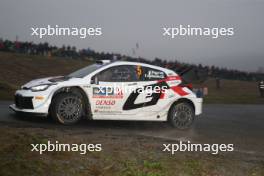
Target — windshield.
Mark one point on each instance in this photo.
(85, 71)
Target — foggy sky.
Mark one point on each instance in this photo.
(125, 23)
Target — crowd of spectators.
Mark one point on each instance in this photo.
(38, 49)
(200, 70)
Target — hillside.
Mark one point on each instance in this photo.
(17, 69)
(232, 92)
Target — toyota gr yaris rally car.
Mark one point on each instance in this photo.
(112, 91)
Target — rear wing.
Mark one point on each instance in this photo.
(192, 75)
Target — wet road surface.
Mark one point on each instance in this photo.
(241, 125)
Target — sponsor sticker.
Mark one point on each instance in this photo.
(154, 74)
(107, 111)
(173, 82)
(107, 92)
(105, 102)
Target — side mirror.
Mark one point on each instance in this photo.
(94, 80)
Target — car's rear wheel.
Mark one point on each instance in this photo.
(181, 115)
(67, 108)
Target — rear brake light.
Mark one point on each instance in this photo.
(190, 86)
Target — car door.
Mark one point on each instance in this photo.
(149, 90)
(112, 88)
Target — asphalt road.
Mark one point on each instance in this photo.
(241, 125)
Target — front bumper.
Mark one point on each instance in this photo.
(32, 102)
(26, 111)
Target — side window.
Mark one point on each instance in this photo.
(123, 73)
(150, 74)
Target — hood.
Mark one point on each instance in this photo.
(48, 80)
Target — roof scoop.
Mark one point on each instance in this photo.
(103, 61)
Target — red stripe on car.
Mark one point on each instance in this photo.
(179, 90)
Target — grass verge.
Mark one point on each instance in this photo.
(123, 156)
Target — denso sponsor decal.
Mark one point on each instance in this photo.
(105, 102)
(107, 92)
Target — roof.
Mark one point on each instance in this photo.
(142, 64)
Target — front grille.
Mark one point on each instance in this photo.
(23, 102)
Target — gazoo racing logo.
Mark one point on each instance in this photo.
(107, 92)
(153, 92)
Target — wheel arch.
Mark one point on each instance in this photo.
(76, 90)
(181, 100)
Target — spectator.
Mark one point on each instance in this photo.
(261, 88)
(218, 83)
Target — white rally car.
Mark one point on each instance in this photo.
(112, 91)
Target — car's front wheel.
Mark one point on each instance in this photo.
(181, 115)
(67, 108)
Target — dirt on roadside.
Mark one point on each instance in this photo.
(122, 154)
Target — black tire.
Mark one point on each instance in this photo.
(67, 108)
(181, 115)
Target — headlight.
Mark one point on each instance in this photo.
(40, 87)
